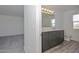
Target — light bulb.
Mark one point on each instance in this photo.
(47, 11)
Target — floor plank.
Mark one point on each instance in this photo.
(65, 47)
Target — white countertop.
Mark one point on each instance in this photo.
(46, 29)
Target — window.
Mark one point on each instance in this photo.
(76, 21)
(53, 22)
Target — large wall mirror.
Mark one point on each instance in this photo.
(48, 18)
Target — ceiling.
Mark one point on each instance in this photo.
(18, 10)
(61, 7)
(12, 10)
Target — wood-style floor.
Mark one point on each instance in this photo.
(65, 47)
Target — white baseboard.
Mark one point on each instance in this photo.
(67, 39)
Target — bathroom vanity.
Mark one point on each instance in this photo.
(51, 38)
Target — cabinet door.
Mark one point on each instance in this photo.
(62, 35)
(52, 39)
(45, 45)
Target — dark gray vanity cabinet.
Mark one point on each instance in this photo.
(51, 39)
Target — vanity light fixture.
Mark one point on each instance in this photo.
(47, 11)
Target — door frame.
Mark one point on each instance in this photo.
(36, 9)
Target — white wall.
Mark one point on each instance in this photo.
(68, 25)
(64, 21)
(59, 20)
(11, 25)
(32, 29)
